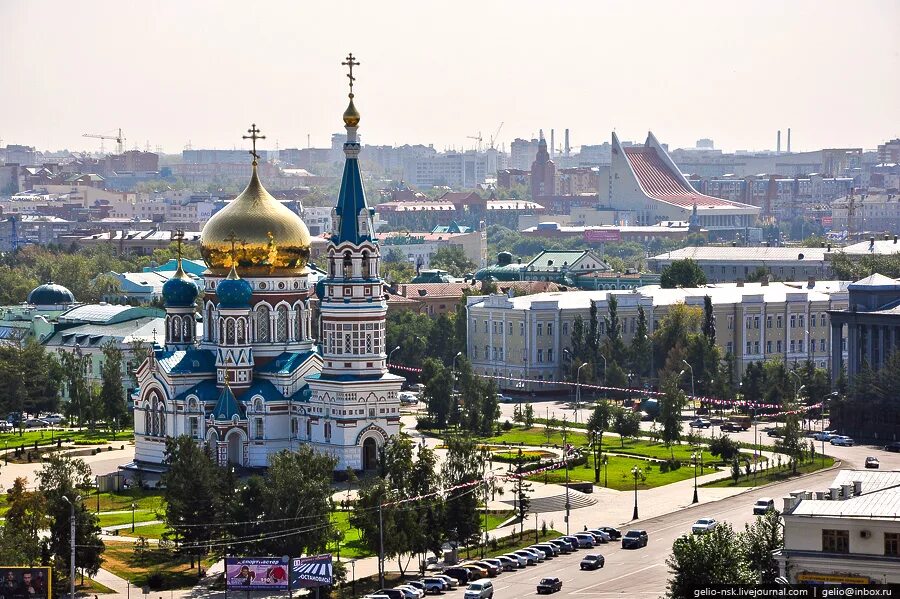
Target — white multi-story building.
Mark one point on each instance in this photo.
(845, 534)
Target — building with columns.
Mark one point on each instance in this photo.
(257, 378)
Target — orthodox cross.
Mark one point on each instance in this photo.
(253, 131)
(233, 239)
(350, 63)
(178, 236)
(154, 335)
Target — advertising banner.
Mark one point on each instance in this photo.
(256, 574)
(600, 235)
(22, 582)
(312, 571)
(827, 221)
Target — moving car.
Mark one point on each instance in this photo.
(824, 435)
(480, 589)
(700, 423)
(703, 526)
(872, 462)
(893, 447)
(776, 432)
(504, 398)
(732, 427)
(592, 561)
(35, 423)
(763, 505)
(614, 534)
(53, 418)
(549, 585)
(842, 440)
(634, 539)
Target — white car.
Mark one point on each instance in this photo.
(451, 582)
(824, 435)
(703, 526)
(410, 592)
(53, 418)
(842, 440)
(521, 560)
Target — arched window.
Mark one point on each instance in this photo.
(348, 266)
(221, 336)
(186, 324)
(299, 333)
(281, 324)
(241, 332)
(162, 419)
(208, 324)
(174, 328)
(147, 429)
(308, 429)
(262, 323)
(331, 265)
(365, 265)
(229, 332)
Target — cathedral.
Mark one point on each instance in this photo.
(264, 375)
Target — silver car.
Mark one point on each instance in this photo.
(521, 561)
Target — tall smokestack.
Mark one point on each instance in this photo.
(567, 142)
(778, 143)
(552, 141)
(789, 141)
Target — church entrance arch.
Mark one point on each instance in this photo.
(235, 449)
(369, 454)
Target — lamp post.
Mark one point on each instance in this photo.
(72, 544)
(605, 461)
(391, 355)
(578, 389)
(566, 465)
(695, 457)
(824, 399)
(693, 395)
(636, 473)
(132, 516)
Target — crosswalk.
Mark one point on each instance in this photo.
(557, 503)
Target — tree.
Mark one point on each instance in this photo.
(724, 447)
(709, 320)
(597, 423)
(523, 490)
(441, 342)
(703, 560)
(74, 365)
(641, 348)
(528, 416)
(428, 532)
(671, 403)
(438, 393)
(411, 332)
(791, 444)
(191, 486)
(453, 259)
(614, 346)
(462, 465)
(25, 519)
(682, 273)
(112, 393)
(626, 423)
(61, 480)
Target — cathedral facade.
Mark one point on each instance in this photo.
(259, 378)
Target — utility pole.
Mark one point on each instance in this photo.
(566, 466)
(72, 544)
(380, 550)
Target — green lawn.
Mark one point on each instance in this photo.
(773, 476)
(50, 436)
(91, 587)
(536, 436)
(618, 473)
(351, 545)
(495, 519)
(112, 502)
(151, 531)
(121, 560)
(106, 520)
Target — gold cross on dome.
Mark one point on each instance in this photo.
(350, 63)
(178, 237)
(234, 239)
(254, 135)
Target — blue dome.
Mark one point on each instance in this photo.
(180, 291)
(50, 294)
(234, 293)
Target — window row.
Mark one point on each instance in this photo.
(266, 326)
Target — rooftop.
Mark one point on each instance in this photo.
(744, 254)
(879, 500)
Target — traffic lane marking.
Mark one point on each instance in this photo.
(584, 590)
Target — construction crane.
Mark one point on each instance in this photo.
(494, 136)
(477, 138)
(120, 140)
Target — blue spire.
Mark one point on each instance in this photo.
(351, 202)
(227, 407)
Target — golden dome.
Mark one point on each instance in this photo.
(267, 236)
(351, 115)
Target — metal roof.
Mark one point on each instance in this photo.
(879, 500)
(744, 254)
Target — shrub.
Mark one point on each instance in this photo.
(507, 425)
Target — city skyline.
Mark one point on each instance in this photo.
(199, 73)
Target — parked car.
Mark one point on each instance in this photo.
(703, 526)
(546, 550)
(462, 575)
(549, 585)
(392, 593)
(893, 447)
(494, 561)
(416, 584)
(573, 541)
(872, 462)
(538, 555)
(824, 435)
(530, 559)
(410, 592)
(492, 569)
(634, 539)
(504, 398)
(585, 540)
(563, 546)
(451, 582)
(6, 426)
(776, 432)
(376, 596)
(520, 560)
(507, 563)
(842, 440)
(54, 418)
(599, 535)
(614, 534)
(477, 571)
(480, 589)
(592, 561)
(763, 505)
(700, 423)
(35, 423)
(435, 585)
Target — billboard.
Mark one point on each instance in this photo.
(22, 582)
(256, 573)
(312, 571)
(600, 235)
(827, 221)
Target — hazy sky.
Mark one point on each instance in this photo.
(169, 72)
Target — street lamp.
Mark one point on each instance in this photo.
(390, 355)
(132, 516)
(566, 465)
(72, 544)
(824, 399)
(578, 389)
(693, 395)
(697, 455)
(636, 473)
(605, 462)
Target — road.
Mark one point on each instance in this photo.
(643, 572)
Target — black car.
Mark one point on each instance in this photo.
(563, 546)
(549, 585)
(894, 447)
(592, 561)
(613, 533)
(460, 574)
(634, 539)
(732, 427)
